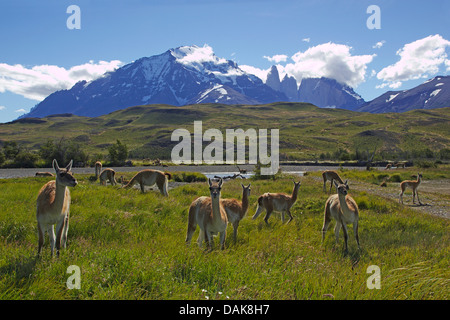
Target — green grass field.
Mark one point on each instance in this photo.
(130, 245)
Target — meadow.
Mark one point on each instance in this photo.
(130, 245)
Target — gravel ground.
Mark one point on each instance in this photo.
(434, 195)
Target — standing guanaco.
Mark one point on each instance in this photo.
(277, 202)
(414, 185)
(330, 175)
(209, 215)
(52, 207)
(344, 209)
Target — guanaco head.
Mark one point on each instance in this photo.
(419, 176)
(63, 175)
(296, 184)
(246, 190)
(342, 188)
(215, 186)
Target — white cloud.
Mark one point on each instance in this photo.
(260, 73)
(38, 82)
(379, 44)
(20, 110)
(2, 107)
(277, 58)
(306, 39)
(447, 64)
(330, 60)
(418, 59)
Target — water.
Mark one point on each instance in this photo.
(248, 175)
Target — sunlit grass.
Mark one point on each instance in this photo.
(130, 245)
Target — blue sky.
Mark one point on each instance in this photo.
(38, 53)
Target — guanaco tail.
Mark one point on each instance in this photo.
(277, 202)
(149, 177)
(344, 210)
(52, 207)
(209, 215)
(414, 185)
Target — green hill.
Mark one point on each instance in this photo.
(306, 131)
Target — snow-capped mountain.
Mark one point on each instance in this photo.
(180, 76)
(322, 92)
(434, 93)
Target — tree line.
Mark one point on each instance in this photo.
(13, 155)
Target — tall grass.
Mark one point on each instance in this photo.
(130, 245)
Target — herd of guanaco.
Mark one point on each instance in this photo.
(211, 213)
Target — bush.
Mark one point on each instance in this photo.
(118, 153)
(25, 160)
(188, 177)
(396, 178)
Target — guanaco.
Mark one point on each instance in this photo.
(344, 210)
(52, 207)
(209, 215)
(236, 209)
(44, 174)
(277, 202)
(414, 185)
(108, 174)
(149, 177)
(330, 175)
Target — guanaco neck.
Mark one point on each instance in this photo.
(215, 203)
(294, 193)
(344, 207)
(60, 194)
(244, 202)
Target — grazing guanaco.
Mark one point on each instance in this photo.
(108, 174)
(344, 209)
(209, 215)
(52, 207)
(400, 164)
(236, 209)
(98, 169)
(44, 174)
(330, 175)
(149, 177)
(414, 185)
(277, 202)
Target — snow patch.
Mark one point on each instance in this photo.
(439, 84)
(392, 97)
(435, 92)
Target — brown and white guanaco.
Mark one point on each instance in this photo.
(52, 207)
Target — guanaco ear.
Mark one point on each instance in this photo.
(209, 182)
(220, 182)
(335, 183)
(69, 166)
(55, 165)
(346, 185)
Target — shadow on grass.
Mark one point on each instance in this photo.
(23, 267)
